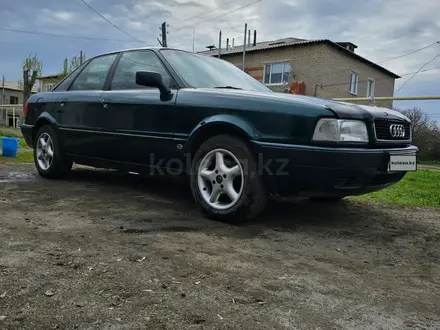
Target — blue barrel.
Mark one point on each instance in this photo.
(9, 146)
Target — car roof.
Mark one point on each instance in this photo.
(141, 48)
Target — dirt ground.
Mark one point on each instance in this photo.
(102, 250)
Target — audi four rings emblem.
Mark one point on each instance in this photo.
(397, 131)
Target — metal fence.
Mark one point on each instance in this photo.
(11, 115)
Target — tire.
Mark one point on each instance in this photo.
(251, 196)
(60, 165)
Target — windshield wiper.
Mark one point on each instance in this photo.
(228, 87)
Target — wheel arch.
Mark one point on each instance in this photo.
(44, 119)
(219, 124)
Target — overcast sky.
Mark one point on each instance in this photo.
(381, 28)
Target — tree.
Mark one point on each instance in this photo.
(425, 133)
(76, 61)
(20, 84)
(32, 68)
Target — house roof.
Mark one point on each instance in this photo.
(51, 76)
(294, 42)
(15, 86)
(259, 46)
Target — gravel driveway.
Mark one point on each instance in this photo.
(102, 250)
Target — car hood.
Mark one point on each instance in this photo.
(343, 110)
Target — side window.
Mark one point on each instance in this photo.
(370, 87)
(65, 83)
(94, 74)
(139, 60)
(354, 81)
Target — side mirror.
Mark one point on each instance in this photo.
(152, 79)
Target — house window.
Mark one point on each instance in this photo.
(370, 87)
(354, 81)
(276, 73)
(49, 87)
(13, 100)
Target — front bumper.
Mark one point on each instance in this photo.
(325, 171)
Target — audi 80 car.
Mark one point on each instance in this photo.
(164, 111)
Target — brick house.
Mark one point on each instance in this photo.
(46, 83)
(11, 94)
(324, 68)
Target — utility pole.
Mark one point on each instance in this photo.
(65, 67)
(244, 46)
(219, 43)
(164, 34)
(3, 100)
(3, 91)
(81, 58)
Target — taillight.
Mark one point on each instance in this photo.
(26, 109)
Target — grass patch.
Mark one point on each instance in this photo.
(429, 162)
(23, 156)
(13, 132)
(24, 153)
(421, 188)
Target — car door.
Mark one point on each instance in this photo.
(80, 115)
(141, 118)
(59, 94)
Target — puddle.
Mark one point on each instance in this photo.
(178, 229)
(16, 176)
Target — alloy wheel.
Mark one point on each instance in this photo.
(44, 151)
(220, 179)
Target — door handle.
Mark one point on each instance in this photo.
(105, 103)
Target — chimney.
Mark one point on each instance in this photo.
(249, 38)
(227, 44)
(233, 39)
(255, 38)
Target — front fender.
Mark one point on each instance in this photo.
(218, 122)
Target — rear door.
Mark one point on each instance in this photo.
(81, 120)
(141, 118)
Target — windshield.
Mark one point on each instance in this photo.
(200, 71)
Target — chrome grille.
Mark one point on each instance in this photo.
(384, 133)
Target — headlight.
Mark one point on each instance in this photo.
(340, 130)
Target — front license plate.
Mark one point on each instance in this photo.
(400, 163)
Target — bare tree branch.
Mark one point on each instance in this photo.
(426, 133)
(32, 68)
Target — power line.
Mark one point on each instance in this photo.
(198, 15)
(438, 55)
(402, 75)
(113, 24)
(63, 35)
(390, 59)
(229, 12)
(376, 80)
(193, 16)
(410, 53)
